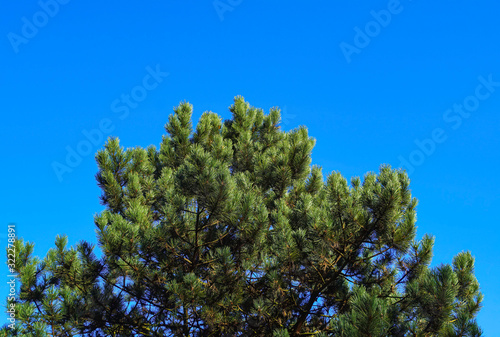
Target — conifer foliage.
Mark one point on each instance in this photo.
(227, 230)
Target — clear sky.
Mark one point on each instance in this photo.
(408, 83)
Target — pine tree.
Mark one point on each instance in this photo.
(227, 230)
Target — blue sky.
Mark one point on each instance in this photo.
(408, 83)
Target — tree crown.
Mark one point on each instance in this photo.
(228, 230)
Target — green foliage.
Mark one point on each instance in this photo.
(228, 230)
